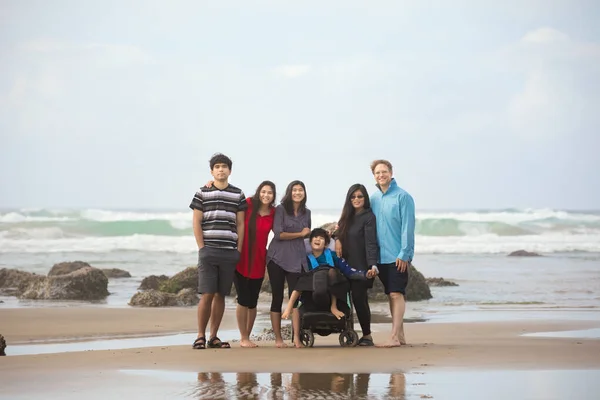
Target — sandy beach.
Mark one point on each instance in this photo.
(433, 347)
(472, 345)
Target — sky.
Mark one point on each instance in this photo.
(478, 105)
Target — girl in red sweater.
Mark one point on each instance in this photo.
(250, 270)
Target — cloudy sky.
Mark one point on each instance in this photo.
(120, 104)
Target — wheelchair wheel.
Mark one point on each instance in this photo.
(348, 338)
(307, 338)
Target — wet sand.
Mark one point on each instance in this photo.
(433, 348)
(475, 344)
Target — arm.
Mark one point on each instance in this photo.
(371, 246)
(278, 227)
(347, 270)
(198, 208)
(197, 224)
(407, 213)
(240, 222)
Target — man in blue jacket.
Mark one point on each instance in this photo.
(394, 210)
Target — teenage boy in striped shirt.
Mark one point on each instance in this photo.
(218, 223)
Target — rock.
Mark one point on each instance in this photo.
(153, 298)
(9, 291)
(187, 297)
(12, 281)
(87, 283)
(186, 279)
(156, 298)
(116, 273)
(65, 268)
(439, 282)
(268, 335)
(329, 227)
(153, 282)
(523, 253)
(2, 346)
(417, 288)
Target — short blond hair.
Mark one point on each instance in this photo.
(375, 163)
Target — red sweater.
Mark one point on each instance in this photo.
(264, 225)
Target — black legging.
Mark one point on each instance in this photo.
(277, 278)
(360, 300)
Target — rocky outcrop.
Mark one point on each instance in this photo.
(186, 279)
(86, 283)
(12, 281)
(417, 288)
(439, 282)
(152, 282)
(2, 346)
(115, 273)
(524, 253)
(67, 267)
(329, 227)
(156, 298)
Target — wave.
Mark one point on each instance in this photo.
(483, 244)
(489, 231)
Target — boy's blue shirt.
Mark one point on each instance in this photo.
(338, 263)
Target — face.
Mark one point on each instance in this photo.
(317, 243)
(382, 174)
(266, 195)
(220, 172)
(357, 199)
(297, 193)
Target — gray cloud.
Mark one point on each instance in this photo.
(477, 107)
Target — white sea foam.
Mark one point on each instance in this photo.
(541, 230)
(490, 244)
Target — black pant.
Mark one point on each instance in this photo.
(360, 300)
(277, 278)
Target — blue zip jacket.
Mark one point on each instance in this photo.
(330, 258)
(395, 214)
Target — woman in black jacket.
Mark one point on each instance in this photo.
(357, 244)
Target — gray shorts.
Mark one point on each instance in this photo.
(216, 268)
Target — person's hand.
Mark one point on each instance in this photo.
(370, 274)
(338, 248)
(305, 232)
(401, 265)
(209, 184)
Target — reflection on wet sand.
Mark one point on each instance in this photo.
(295, 386)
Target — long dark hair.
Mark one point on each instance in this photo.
(288, 203)
(348, 211)
(256, 204)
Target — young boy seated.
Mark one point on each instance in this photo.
(322, 256)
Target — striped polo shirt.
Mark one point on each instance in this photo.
(219, 208)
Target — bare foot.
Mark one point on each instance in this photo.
(247, 343)
(338, 314)
(280, 344)
(390, 343)
(298, 343)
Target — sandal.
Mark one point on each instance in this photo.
(216, 343)
(199, 343)
(365, 342)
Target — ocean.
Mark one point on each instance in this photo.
(467, 247)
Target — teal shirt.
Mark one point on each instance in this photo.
(395, 214)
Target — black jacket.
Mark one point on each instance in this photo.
(360, 248)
